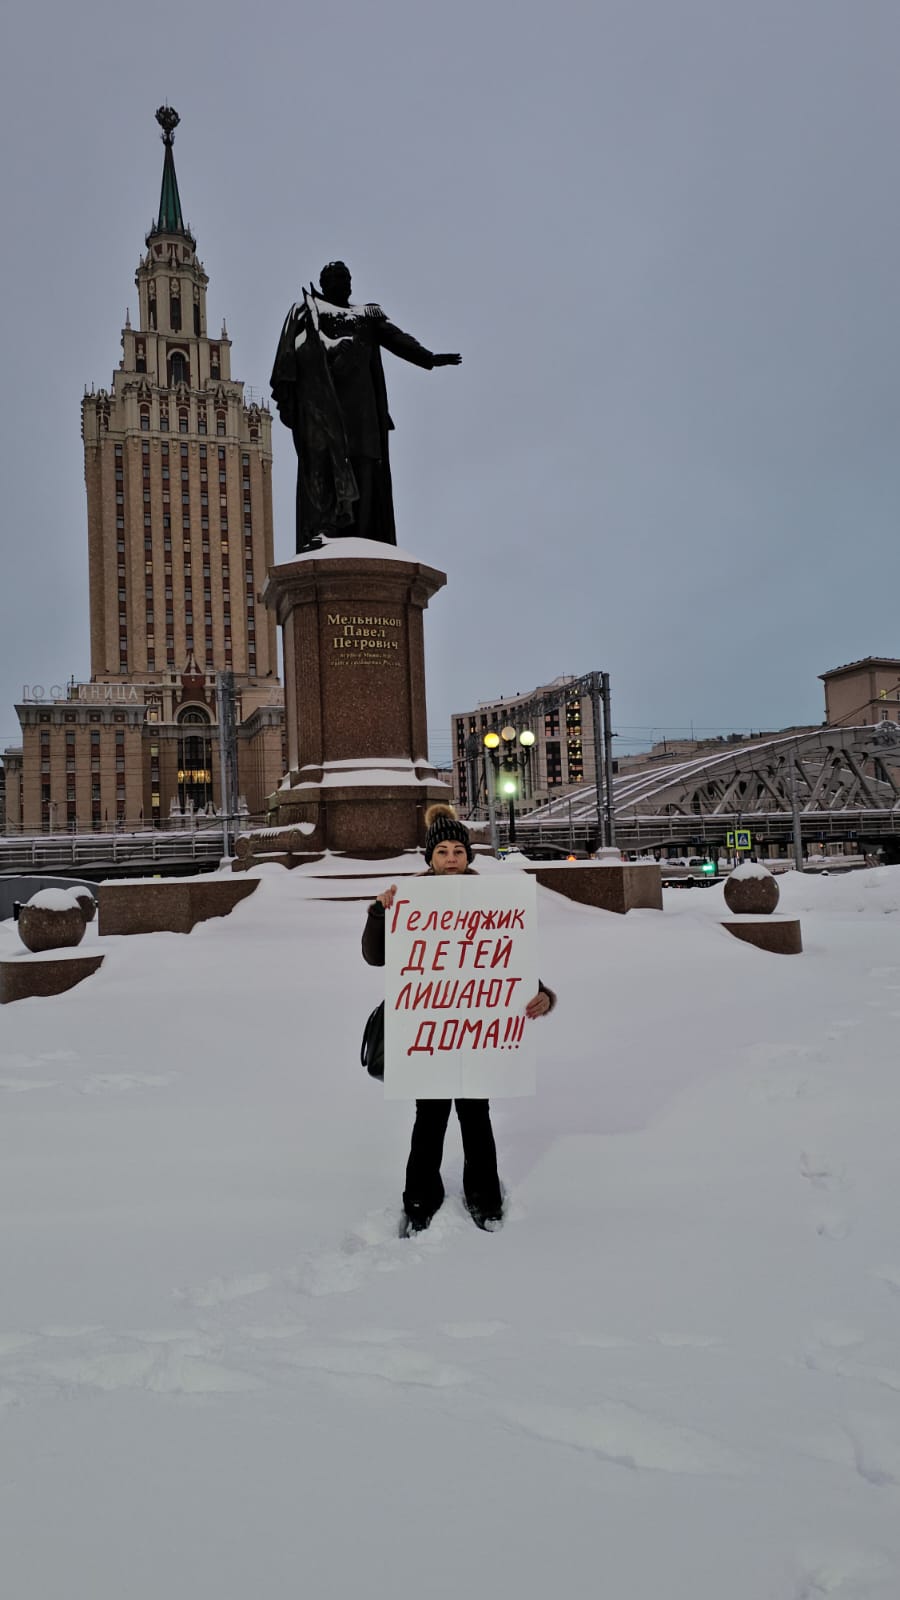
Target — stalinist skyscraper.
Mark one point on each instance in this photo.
(178, 472)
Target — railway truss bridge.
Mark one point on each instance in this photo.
(832, 785)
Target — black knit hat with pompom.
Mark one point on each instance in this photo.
(441, 822)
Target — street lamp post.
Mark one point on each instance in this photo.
(509, 769)
(473, 754)
(491, 741)
(509, 782)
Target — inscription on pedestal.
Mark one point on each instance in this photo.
(364, 639)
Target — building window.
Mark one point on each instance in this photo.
(174, 310)
(182, 421)
(220, 423)
(145, 419)
(140, 356)
(179, 372)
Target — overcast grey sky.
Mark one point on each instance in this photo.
(664, 234)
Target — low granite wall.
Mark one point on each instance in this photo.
(630, 887)
(168, 907)
(27, 976)
(780, 935)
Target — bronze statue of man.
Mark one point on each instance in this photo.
(328, 385)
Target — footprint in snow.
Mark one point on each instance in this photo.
(876, 1449)
(472, 1330)
(889, 1276)
(61, 1361)
(626, 1436)
(820, 1173)
(122, 1082)
(845, 1574)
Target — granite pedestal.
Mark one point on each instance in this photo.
(358, 777)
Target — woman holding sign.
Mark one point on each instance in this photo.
(448, 849)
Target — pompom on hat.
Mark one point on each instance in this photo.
(441, 822)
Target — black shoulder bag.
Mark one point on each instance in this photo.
(372, 1052)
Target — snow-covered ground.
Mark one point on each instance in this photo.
(674, 1374)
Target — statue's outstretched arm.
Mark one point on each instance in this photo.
(408, 349)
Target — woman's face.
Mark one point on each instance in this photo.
(449, 856)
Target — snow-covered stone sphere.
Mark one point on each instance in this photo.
(751, 890)
(51, 920)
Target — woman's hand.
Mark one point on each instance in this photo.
(386, 898)
(538, 1006)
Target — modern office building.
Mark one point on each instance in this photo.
(560, 715)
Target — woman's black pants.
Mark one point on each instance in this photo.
(424, 1190)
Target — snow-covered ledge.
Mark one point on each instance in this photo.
(384, 772)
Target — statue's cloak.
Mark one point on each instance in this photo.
(328, 387)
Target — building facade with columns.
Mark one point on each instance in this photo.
(178, 473)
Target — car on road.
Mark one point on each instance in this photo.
(688, 873)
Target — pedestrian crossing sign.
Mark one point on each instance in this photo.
(740, 839)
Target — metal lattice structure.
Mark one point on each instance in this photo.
(834, 781)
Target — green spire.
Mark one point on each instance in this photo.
(170, 219)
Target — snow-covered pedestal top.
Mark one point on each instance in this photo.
(351, 549)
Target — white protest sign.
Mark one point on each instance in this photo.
(460, 968)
